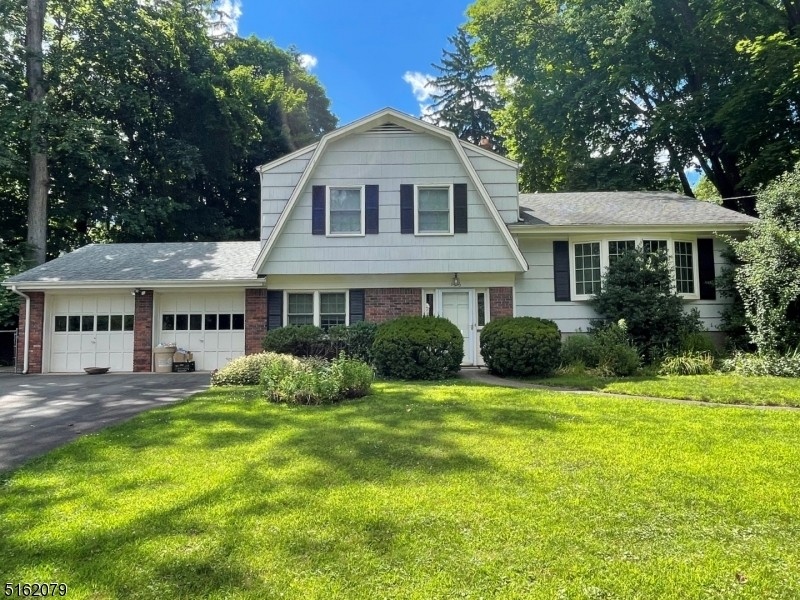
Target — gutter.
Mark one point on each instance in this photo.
(26, 351)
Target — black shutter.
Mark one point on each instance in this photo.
(274, 309)
(705, 260)
(460, 208)
(561, 271)
(372, 210)
(406, 208)
(318, 210)
(356, 306)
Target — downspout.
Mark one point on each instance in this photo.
(27, 328)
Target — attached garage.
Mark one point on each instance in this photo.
(90, 331)
(210, 325)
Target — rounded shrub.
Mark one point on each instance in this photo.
(418, 348)
(298, 340)
(521, 346)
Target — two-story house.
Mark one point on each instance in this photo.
(387, 216)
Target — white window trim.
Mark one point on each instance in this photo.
(639, 239)
(316, 294)
(328, 189)
(416, 209)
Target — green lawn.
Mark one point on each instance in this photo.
(726, 388)
(417, 491)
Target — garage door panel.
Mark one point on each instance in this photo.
(71, 351)
(211, 348)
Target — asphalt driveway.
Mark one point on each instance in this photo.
(41, 412)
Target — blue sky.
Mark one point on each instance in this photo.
(367, 54)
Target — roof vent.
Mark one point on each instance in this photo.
(389, 128)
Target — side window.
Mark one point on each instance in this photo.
(434, 208)
(587, 268)
(684, 268)
(345, 211)
(300, 309)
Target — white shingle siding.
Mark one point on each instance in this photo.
(277, 185)
(500, 182)
(389, 160)
(535, 291)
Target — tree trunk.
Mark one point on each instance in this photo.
(39, 179)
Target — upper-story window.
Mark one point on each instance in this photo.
(345, 208)
(434, 209)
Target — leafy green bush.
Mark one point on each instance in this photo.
(688, 363)
(697, 342)
(418, 348)
(521, 346)
(356, 340)
(616, 355)
(750, 365)
(316, 381)
(637, 287)
(606, 351)
(298, 340)
(246, 370)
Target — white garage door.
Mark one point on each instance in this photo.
(91, 331)
(210, 325)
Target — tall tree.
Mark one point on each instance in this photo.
(641, 84)
(38, 177)
(464, 94)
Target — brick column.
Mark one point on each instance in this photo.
(36, 333)
(143, 332)
(383, 304)
(501, 302)
(255, 320)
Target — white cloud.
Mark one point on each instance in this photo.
(422, 87)
(308, 61)
(224, 18)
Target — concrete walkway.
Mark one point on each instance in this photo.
(42, 412)
(482, 375)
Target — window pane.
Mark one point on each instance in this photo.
(224, 322)
(429, 304)
(61, 323)
(345, 210)
(74, 323)
(345, 199)
(300, 304)
(238, 321)
(587, 268)
(87, 323)
(127, 321)
(181, 322)
(195, 322)
(433, 199)
(116, 322)
(210, 323)
(102, 322)
(481, 309)
(433, 209)
(684, 268)
(332, 308)
(618, 248)
(168, 322)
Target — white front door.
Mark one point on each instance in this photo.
(457, 308)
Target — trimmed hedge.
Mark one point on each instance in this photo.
(418, 348)
(521, 346)
(298, 340)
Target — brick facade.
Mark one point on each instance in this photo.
(143, 332)
(501, 302)
(255, 320)
(382, 304)
(36, 333)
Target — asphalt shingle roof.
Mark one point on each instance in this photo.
(624, 208)
(184, 261)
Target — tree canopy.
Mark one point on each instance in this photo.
(465, 95)
(154, 122)
(629, 93)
